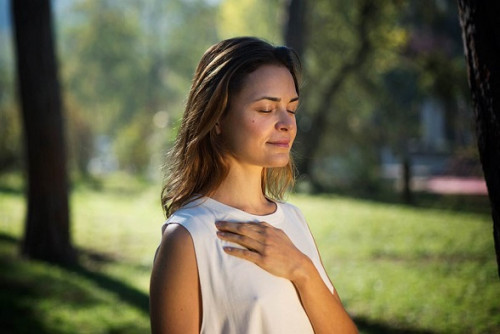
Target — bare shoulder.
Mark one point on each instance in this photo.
(176, 246)
(174, 284)
(176, 238)
(176, 251)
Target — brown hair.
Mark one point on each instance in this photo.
(196, 165)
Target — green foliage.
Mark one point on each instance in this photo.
(124, 61)
(411, 53)
(258, 18)
(396, 268)
(10, 118)
(351, 45)
(79, 137)
(104, 66)
(132, 145)
(10, 137)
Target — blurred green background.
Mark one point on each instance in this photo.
(384, 87)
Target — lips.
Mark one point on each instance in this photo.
(280, 143)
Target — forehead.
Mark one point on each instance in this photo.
(269, 80)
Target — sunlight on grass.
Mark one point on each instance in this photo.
(402, 267)
(12, 210)
(124, 226)
(426, 269)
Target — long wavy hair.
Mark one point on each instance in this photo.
(196, 164)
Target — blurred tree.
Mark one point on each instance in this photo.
(434, 48)
(10, 136)
(479, 21)
(295, 26)
(399, 109)
(10, 127)
(104, 65)
(431, 59)
(125, 61)
(260, 18)
(369, 67)
(332, 57)
(132, 146)
(47, 235)
(80, 136)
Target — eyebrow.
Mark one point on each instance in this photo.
(275, 99)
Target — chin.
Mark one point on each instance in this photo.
(278, 163)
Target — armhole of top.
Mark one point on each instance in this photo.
(331, 287)
(325, 273)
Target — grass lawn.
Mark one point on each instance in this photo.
(398, 269)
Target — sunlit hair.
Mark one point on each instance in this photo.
(196, 166)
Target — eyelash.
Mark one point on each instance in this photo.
(293, 112)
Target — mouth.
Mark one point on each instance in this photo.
(280, 143)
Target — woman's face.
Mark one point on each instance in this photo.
(259, 128)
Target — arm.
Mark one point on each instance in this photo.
(272, 250)
(175, 302)
(324, 309)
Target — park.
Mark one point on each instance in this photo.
(397, 166)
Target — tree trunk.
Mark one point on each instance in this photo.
(46, 235)
(295, 28)
(481, 37)
(406, 178)
(310, 141)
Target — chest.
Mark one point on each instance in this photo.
(243, 294)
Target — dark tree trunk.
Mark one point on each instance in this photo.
(406, 173)
(481, 37)
(295, 28)
(46, 235)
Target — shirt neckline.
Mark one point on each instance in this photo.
(224, 208)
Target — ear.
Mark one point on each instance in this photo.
(217, 128)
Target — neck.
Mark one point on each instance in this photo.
(242, 189)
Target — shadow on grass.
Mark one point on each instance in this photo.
(477, 204)
(8, 239)
(17, 314)
(30, 282)
(371, 327)
(94, 261)
(128, 294)
(29, 288)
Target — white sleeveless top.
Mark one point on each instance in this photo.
(238, 297)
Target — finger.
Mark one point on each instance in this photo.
(243, 254)
(251, 229)
(265, 224)
(242, 240)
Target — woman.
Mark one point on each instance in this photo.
(233, 258)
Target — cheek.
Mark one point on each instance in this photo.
(241, 134)
(251, 126)
(260, 129)
(293, 131)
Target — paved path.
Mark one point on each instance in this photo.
(451, 185)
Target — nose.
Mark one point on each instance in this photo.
(286, 121)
